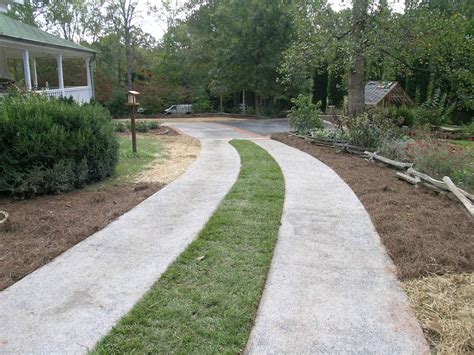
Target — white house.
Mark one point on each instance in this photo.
(28, 43)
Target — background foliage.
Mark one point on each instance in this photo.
(215, 51)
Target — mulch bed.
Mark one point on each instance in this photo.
(160, 131)
(164, 131)
(44, 227)
(424, 232)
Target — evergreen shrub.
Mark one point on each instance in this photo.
(53, 146)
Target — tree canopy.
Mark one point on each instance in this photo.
(218, 53)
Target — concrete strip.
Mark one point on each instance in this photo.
(69, 304)
(207, 130)
(331, 287)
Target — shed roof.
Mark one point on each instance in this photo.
(18, 31)
(377, 90)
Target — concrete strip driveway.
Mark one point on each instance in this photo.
(332, 287)
(266, 127)
(69, 304)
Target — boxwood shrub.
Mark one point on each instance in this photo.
(51, 146)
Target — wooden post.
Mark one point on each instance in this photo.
(132, 127)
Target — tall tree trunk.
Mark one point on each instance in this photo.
(236, 100)
(320, 88)
(243, 102)
(258, 108)
(357, 70)
(128, 53)
(221, 106)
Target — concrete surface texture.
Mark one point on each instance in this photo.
(263, 127)
(69, 304)
(331, 287)
(229, 129)
(212, 130)
(266, 127)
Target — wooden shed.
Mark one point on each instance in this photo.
(386, 93)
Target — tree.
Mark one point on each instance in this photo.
(356, 84)
(28, 12)
(123, 15)
(66, 18)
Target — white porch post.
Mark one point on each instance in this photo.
(26, 68)
(89, 77)
(60, 73)
(4, 67)
(35, 74)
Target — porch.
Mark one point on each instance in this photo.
(36, 60)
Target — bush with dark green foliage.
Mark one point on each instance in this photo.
(304, 115)
(153, 125)
(434, 111)
(121, 127)
(117, 104)
(201, 102)
(52, 146)
(404, 115)
(140, 126)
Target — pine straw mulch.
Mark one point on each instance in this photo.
(429, 237)
(444, 306)
(42, 228)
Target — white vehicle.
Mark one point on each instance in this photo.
(180, 110)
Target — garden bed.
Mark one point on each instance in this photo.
(425, 234)
(42, 228)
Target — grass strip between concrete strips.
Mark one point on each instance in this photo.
(206, 301)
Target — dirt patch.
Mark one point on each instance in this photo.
(181, 150)
(444, 305)
(44, 227)
(424, 233)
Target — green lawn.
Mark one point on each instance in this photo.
(149, 148)
(207, 299)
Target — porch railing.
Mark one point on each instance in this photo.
(80, 94)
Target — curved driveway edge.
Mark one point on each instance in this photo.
(69, 304)
(331, 287)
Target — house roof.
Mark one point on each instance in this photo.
(375, 91)
(18, 31)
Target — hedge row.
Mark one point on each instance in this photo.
(53, 146)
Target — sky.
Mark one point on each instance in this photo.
(157, 26)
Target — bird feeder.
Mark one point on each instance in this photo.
(132, 98)
(133, 103)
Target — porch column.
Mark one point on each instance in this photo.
(90, 82)
(35, 74)
(4, 67)
(60, 73)
(26, 68)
